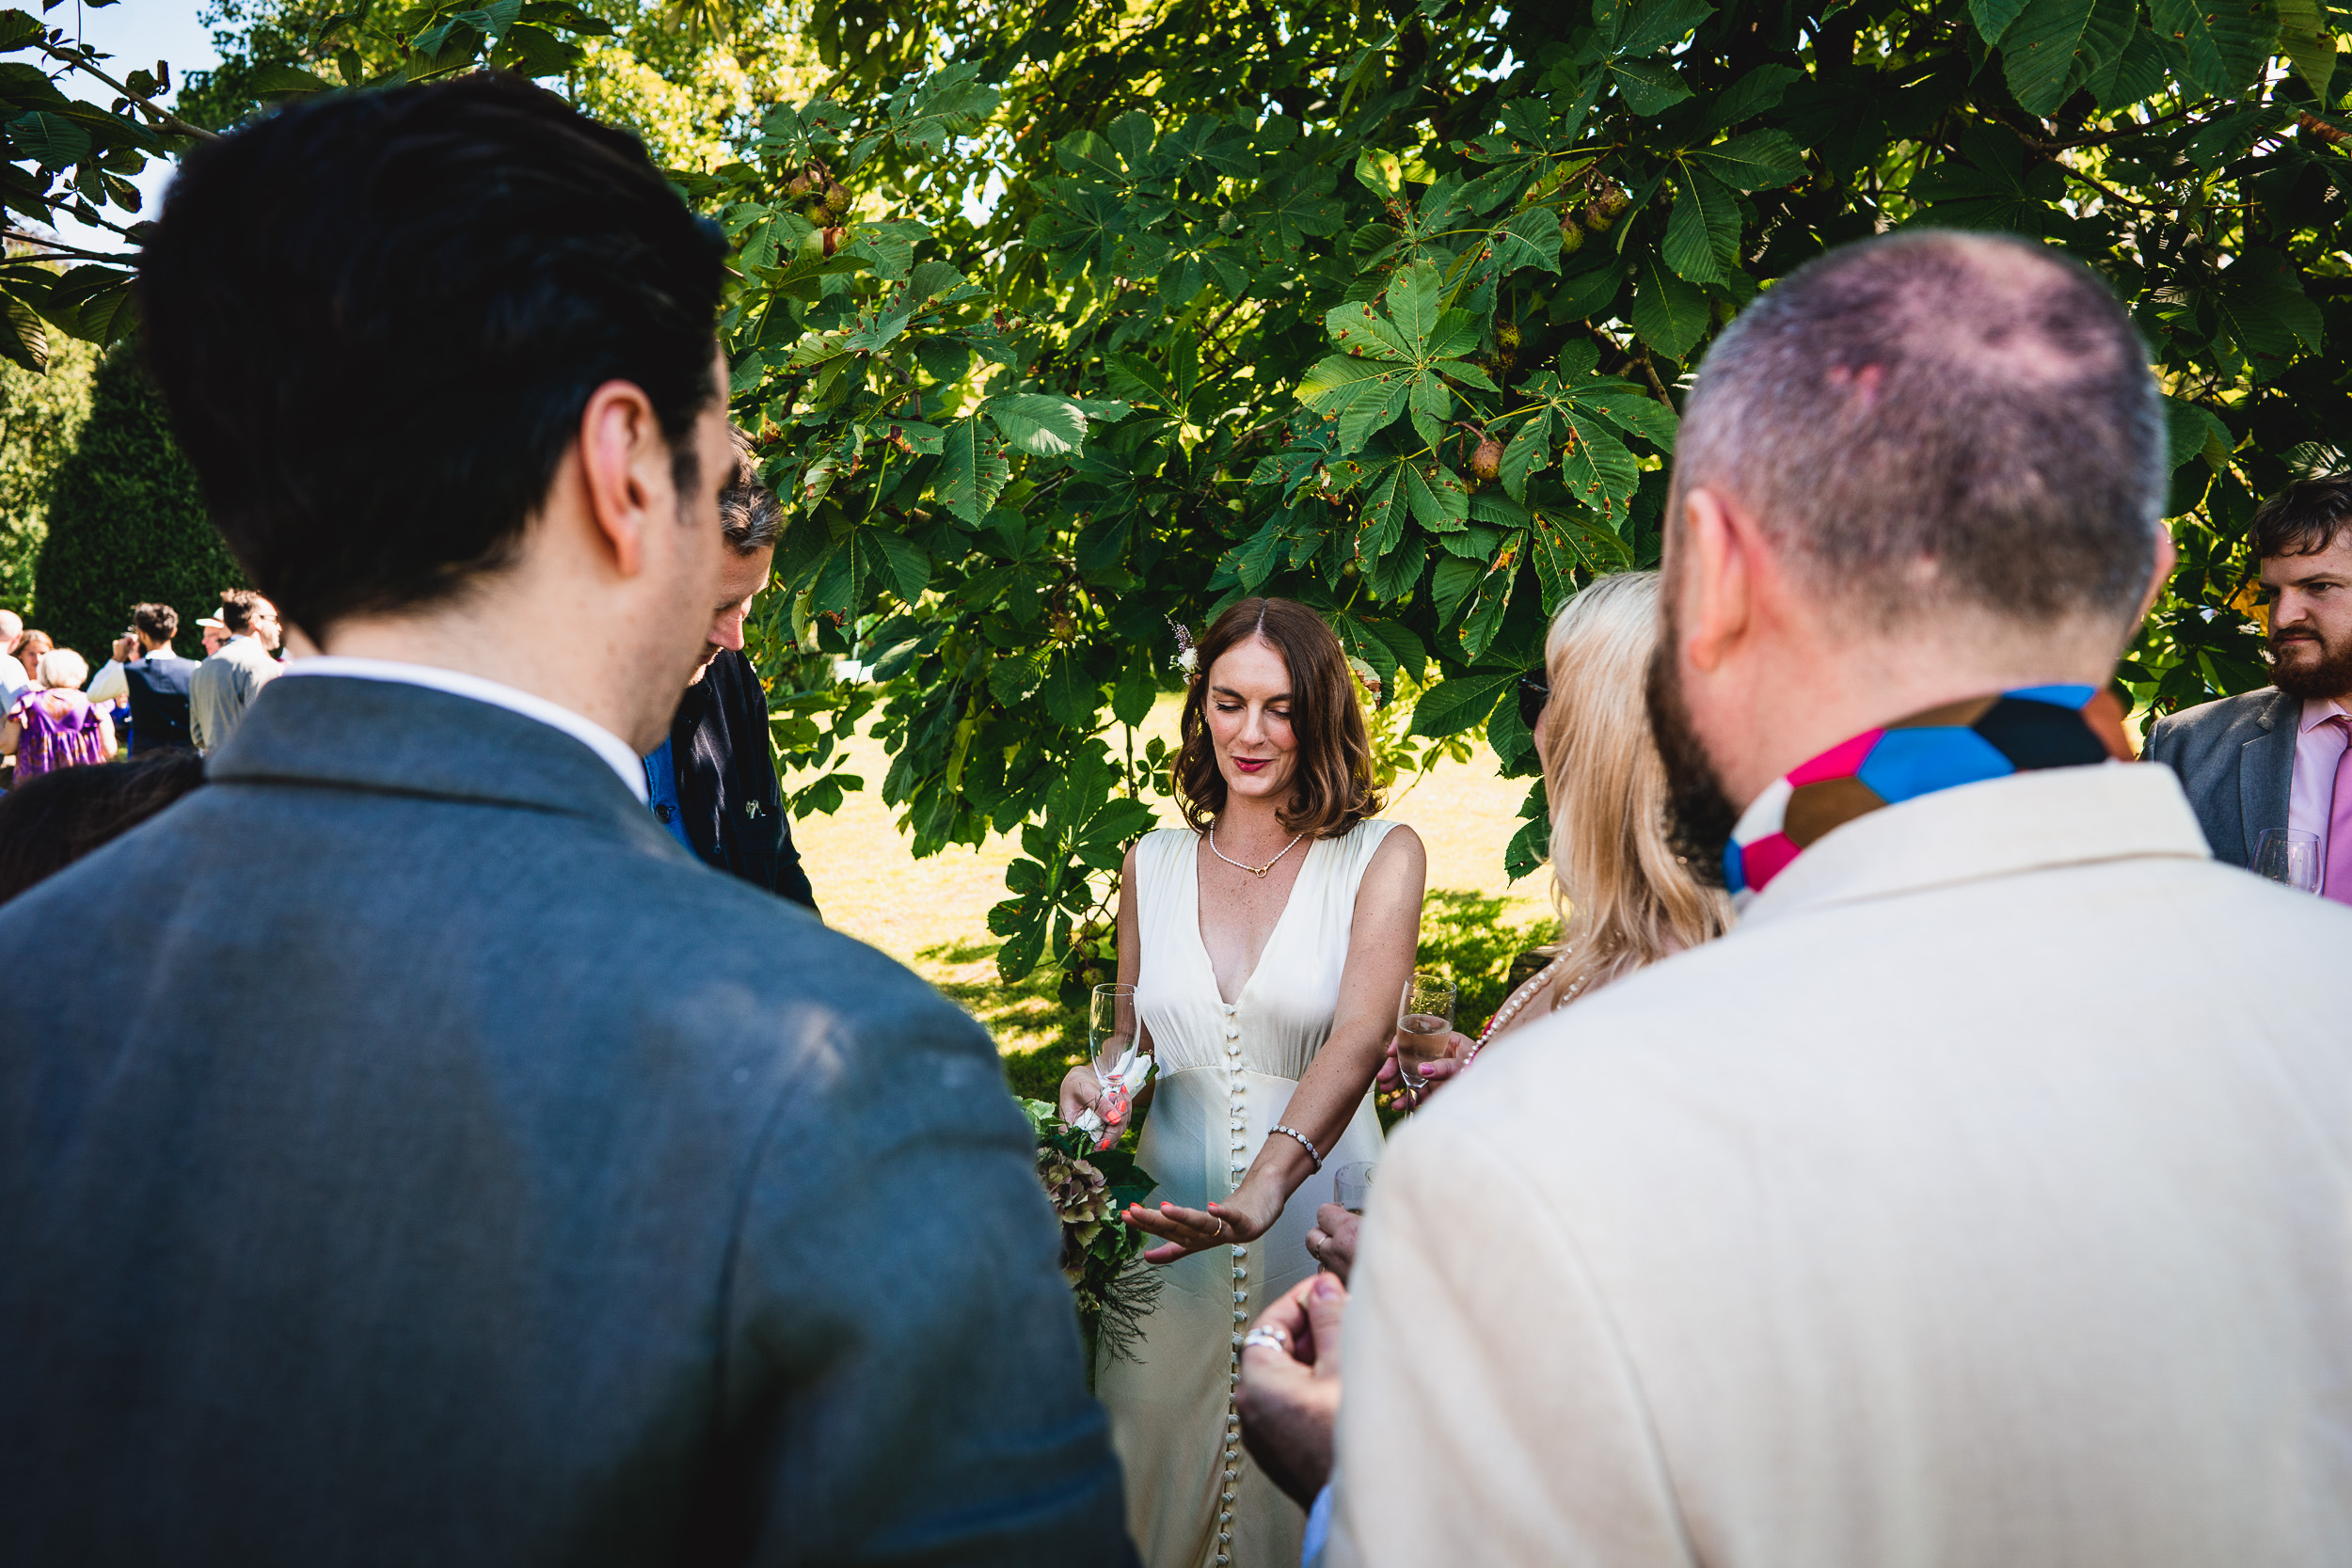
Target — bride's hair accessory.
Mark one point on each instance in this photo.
(1303, 1144)
(1186, 657)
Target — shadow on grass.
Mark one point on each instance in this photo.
(1463, 933)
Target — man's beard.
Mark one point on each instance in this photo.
(1699, 815)
(2331, 676)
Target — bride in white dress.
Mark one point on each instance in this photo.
(1269, 945)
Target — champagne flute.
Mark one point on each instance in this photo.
(1110, 1039)
(1351, 1186)
(2284, 855)
(1424, 1019)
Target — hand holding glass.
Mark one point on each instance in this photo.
(2286, 856)
(1111, 1038)
(1424, 1024)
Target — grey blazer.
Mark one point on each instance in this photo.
(2236, 759)
(442, 1167)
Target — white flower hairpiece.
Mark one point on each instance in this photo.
(1186, 658)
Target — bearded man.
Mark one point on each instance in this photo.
(2275, 758)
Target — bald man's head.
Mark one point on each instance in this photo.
(1937, 421)
(12, 630)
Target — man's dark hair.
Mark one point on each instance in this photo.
(2304, 518)
(238, 606)
(377, 317)
(748, 509)
(158, 620)
(1940, 421)
(50, 821)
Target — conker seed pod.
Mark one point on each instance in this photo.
(801, 185)
(833, 240)
(1507, 337)
(1595, 219)
(1571, 236)
(1486, 461)
(837, 197)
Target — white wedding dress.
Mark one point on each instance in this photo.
(1225, 1075)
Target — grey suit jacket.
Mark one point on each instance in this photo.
(223, 687)
(452, 1171)
(2236, 759)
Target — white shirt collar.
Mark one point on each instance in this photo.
(612, 747)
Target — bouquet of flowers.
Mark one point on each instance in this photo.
(1088, 1187)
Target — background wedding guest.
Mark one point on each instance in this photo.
(211, 634)
(1269, 941)
(2276, 758)
(1885, 1227)
(713, 777)
(49, 822)
(108, 686)
(158, 681)
(29, 649)
(14, 678)
(1625, 900)
(572, 1205)
(56, 725)
(225, 685)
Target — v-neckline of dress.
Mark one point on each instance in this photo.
(1201, 943)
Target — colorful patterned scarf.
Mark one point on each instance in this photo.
(1964, 742)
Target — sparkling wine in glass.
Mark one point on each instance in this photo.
(2284, 855)
(1111, 1038)
(1424, 1021)
(1351, 1185)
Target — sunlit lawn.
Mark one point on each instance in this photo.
(933, 915)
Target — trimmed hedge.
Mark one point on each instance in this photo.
(127, 524)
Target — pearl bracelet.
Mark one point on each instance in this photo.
(1303, 1144)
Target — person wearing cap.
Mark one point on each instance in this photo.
(215, 633)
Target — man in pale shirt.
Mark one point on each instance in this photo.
(2276, 758)
(1889, 1228)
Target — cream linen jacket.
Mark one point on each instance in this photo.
(1984, 1198)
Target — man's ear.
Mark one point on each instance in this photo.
(1716, 574)
(625, 468)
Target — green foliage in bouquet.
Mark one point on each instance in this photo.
(1089, 1188)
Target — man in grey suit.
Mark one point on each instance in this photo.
(225, 685)
(2268, 759)
(456, 1172)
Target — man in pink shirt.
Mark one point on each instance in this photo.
(2276, 758)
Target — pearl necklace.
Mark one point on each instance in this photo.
(1253, 870)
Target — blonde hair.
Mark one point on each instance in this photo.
(1624, 899)
(61, 667)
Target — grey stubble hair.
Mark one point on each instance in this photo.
(1936, 421)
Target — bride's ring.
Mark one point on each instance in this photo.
(1280, 1338)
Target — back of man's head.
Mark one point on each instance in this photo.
(238, 606)
(747, 509)
(158, 623)
(377, 317)
(12, 627)
(1936, 423)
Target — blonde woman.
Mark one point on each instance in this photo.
(1624, 899)
(53, 725)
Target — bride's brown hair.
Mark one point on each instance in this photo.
(1331, 789)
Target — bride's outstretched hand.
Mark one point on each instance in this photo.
(1185, 1232)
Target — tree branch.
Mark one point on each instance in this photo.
(162, 119)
